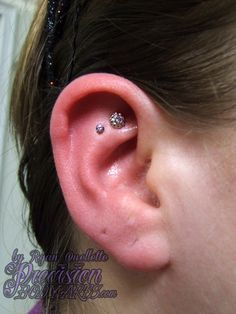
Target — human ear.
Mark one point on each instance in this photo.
(104, 177)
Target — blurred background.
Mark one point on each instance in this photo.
(15, 19)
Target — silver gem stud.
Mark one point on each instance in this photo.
(100, 128)
(117, 120)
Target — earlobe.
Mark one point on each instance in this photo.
(100, 147)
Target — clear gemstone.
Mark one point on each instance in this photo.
(117, 120)
(100, 128)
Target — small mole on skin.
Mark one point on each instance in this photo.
(104, 231)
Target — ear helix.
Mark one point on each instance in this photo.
(117, 121)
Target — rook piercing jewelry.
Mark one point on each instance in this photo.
(117, 120)
(100, 128)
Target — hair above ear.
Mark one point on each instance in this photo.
(103, 177)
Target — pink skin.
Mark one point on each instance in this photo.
(157, 197)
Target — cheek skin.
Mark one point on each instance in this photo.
(195, 180)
